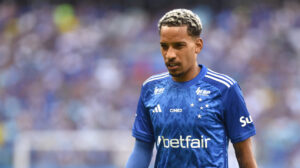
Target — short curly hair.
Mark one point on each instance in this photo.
(182, 17)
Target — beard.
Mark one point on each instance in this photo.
(176, 75)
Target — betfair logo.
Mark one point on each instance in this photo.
(157, 109)
(187, 142)
(245, 120)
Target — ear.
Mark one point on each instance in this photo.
(199, 45)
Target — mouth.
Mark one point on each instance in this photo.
(172, 66)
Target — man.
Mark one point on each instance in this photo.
(190, 112)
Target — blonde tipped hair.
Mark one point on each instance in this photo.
(182, 17)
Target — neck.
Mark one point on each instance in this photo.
(189, 75)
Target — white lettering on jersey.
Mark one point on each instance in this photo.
(202, 92)
(158, 90)
(187, 142)
(245, 120)
(176, 110)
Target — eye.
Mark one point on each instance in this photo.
(164, 46)
(179, 45)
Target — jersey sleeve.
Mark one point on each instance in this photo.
(238, 122)
(142, 127)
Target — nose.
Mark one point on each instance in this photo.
(170, 53)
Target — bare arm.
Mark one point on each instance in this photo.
(244, 154)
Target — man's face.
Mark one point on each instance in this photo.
(179, 51)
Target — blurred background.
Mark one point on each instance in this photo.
(71, 72)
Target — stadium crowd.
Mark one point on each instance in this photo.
(74, 68)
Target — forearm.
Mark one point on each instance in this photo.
(141, 155)
(244, 154)
(245, 162)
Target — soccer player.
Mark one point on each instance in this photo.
(190, 112)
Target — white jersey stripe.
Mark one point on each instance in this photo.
(227, 77)
(152, 79)
(232, 80)
(221, 81)
(158, 75)
(219, 76)
(159, 109)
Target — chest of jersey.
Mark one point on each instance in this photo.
(185, 111)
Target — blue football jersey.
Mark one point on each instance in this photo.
(191, 122)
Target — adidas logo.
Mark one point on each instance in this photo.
(157, 109)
